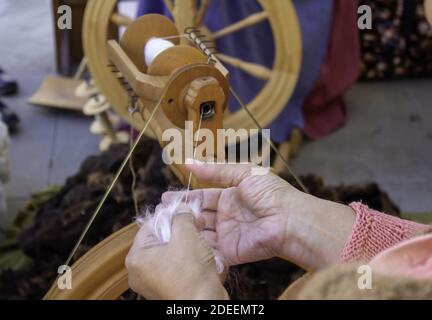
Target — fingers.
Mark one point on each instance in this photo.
(145, 237)
(184, 229)
(170, 196)
(206, 221)
(182, 208)
(209, 219)
(211, 238)
(209, 198)
(223, 175)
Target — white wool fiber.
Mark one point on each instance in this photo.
(161, 221)
(161, 218)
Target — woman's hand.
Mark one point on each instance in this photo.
(182, 269)
(262, 216)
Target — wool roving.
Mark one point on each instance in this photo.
(161, 221)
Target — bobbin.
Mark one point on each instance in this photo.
(86, 89)
(179, 79)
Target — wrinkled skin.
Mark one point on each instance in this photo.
(182, 269)
(244, 221)
(257, 217)
(251, 217)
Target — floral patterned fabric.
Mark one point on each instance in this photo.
(400, 41)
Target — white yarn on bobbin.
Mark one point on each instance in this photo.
(154, 47)
(161, 221)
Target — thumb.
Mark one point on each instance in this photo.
(223, 175)
(183, 223)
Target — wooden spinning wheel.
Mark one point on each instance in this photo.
(268, 103)
(178, 84)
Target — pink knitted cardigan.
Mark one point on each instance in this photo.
(374, 232)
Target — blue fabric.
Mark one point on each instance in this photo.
(256, 45)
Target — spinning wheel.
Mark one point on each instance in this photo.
(180, 84)
(268, 103)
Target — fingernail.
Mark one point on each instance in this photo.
(193, 161)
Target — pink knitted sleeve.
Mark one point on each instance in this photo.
(374, 232)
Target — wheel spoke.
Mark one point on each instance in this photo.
(121, 20)
(257, 70)
(227, 112)
(184, 14)
(244, 23)
(201, 12)
(170, 5)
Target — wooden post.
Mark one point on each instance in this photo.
(69, 51)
